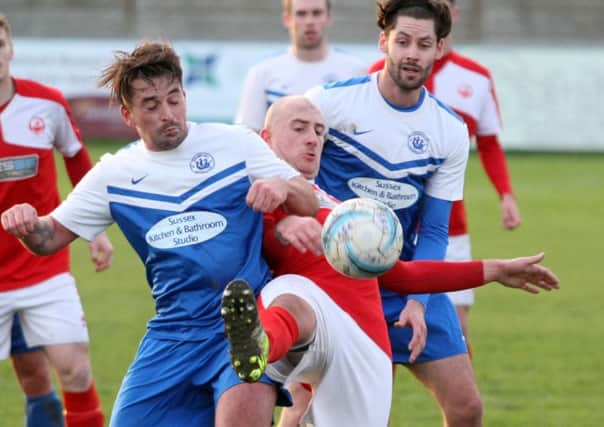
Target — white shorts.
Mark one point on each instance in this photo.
(351, 376)
(50, 313)
(459, 249)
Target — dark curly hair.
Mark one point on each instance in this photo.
(436, 10)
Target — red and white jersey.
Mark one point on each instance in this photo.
(284, 75)
(359, 298)
(467, 87)
(36, 120)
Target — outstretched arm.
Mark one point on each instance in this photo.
(523, 273)
(41, 235)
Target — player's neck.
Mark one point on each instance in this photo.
(394, 94)
(316, 54)
(7, 90)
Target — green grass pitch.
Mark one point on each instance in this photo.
(538, 359)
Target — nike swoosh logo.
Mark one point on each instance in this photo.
(363, 132)
(136, 181)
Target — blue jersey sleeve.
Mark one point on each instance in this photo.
(433, 235)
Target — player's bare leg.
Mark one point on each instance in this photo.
(457, 395)
(43, 406)
(247, 405)
(72, 365)
(293, 416)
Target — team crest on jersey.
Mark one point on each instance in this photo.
(418, 142)
(37, 125)
(202, 163)
(465, 90)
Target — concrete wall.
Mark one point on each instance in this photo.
(541, 21)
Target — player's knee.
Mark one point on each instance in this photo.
(76, 376)
(33, 374)
(466, 413)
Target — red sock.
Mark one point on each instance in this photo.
(282, 331)
(83, 409)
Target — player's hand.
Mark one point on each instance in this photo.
(510, 214)
(20, 220)
(304, 233)
(266, 195)
(414, 315)
(523, 273)
(101, 252)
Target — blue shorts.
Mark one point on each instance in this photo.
(445, 338)
(176, 383)
(17, 340)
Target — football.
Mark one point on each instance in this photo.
(362, 238)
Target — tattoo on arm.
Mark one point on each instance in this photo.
(38, 239)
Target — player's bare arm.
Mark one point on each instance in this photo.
(510, 214)
(523, 273)
(295, 194)
(101, 252)
(303, 232)
(414, 315)
(41, 235)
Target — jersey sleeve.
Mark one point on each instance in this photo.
(86, 212)
(68, 140)
(253, 103)
(261, 162)
(448, 181)
(489, 120)
(494, 163)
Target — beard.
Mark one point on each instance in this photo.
(408, 84)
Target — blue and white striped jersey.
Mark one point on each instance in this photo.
(393, 154)
(184, 213)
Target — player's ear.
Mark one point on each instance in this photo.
(440, 48)
(266, 135)
(383, 42)
(127, 116)
(286, 19)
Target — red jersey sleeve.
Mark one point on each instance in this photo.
(419, 277)
(494, 163)
(78, 165)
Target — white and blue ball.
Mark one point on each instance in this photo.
(362, 238)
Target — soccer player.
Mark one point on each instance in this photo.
(188, 197)
(467, 87)
(327, 329)
(39, 294)
(309, 61)
(389, 139)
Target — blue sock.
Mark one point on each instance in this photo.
(44, 411)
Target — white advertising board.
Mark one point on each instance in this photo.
(550, 98)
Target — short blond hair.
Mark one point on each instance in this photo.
(4, 24)
(287, 6)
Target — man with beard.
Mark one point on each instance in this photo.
(389, 139)
(468, 88)
(308, 62)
